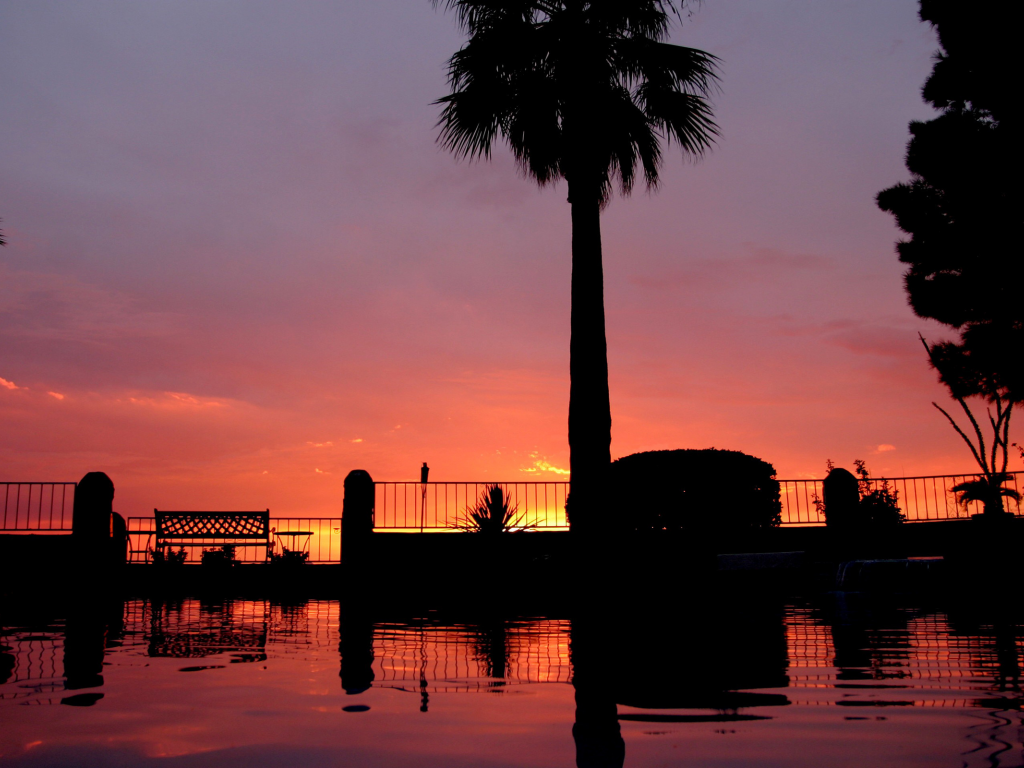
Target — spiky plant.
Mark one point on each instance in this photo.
(987, 490)
(494, 513)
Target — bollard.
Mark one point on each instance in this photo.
(90, 515)
(841, 495)
(98, 533)
(357, 518)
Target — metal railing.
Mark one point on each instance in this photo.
(920, 499)
(43, 507)
(323, 541)
(408, 506)
(444, 506)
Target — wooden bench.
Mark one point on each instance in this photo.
(197, 529)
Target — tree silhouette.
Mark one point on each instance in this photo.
(962, 207)
(587, 91)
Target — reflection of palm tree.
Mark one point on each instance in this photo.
(491, 641)
(584, 92)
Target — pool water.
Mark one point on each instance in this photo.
(840, 680)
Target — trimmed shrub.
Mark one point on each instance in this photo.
(702, 492)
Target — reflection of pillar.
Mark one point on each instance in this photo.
(90, 625)
(596, 732)
(424, 694)
(356, 649)
(7, 662)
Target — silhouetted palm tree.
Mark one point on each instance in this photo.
(586, 91)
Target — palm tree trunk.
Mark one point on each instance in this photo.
(590, 418)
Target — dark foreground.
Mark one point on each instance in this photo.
(731, 674)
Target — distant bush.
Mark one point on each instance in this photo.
(168, 556)
(703, 492)
(220, 557)
(289, 557)
(879, 504)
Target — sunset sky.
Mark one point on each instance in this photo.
(238, 265)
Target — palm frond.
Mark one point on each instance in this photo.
(984, 491)
(586, 88)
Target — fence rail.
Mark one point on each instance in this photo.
(445, 505)
(921, 499)
(323, 542)
(43, 507)
(46, 507)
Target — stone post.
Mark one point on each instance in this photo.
(841, 494)
(98, 533)
(90, 515)
(357, 518)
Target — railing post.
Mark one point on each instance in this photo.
(357, 518)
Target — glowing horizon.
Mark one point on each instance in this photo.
(238, 267)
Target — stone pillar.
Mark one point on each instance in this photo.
(98, 533)
(357, 518)
(91, 520)
(841, 494)
(94, 501)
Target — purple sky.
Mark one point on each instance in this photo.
(238, 255)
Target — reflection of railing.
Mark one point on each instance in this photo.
(466, 657)
(193, 629)
(920, 498)
(37, 507)
(324, 543)
(405, 506)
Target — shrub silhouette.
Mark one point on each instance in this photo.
(879, 504)
(221, 557)
(703, 492)
(168, 556)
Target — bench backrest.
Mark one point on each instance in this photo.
(212, 525)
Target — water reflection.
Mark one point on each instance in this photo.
(196, 629)
(785, 668)
(93, 627)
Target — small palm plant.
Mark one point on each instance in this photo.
(494, 513)
(989, 491)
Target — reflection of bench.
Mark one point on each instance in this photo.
(197, 529)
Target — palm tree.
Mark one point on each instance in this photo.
(965, 377)
(585, 90)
